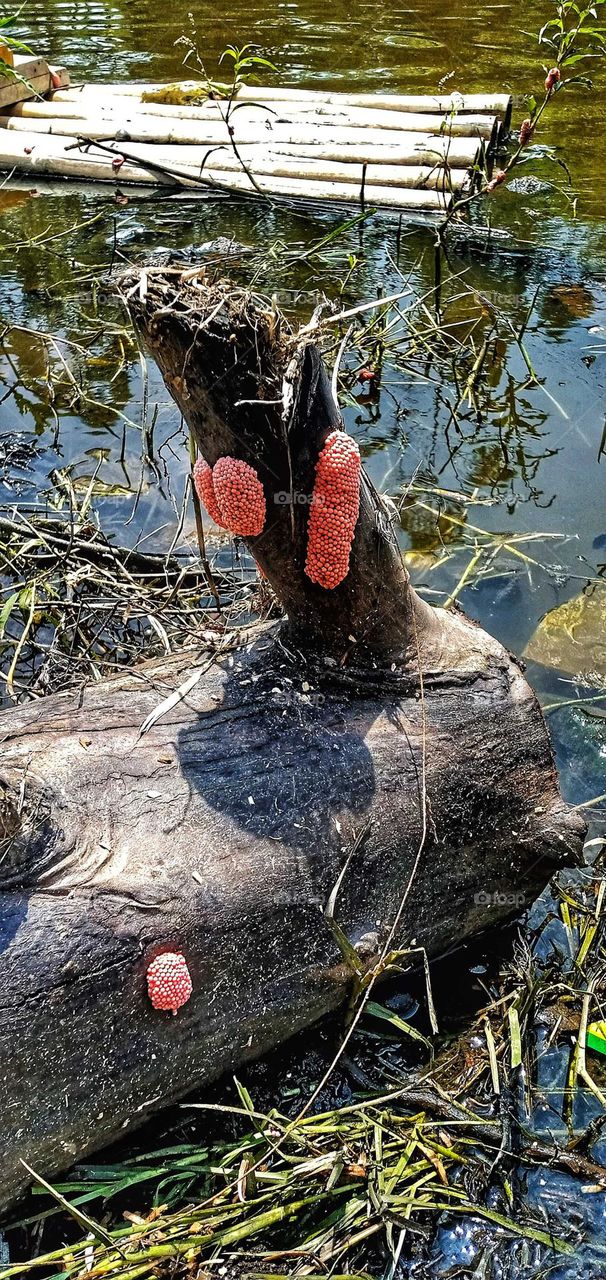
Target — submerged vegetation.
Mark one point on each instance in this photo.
(427, 1126)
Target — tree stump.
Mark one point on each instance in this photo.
(367, 740)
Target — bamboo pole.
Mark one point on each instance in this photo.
(272, 163)
(30, 158)
(338, 143)
(51, 157)
(434, 174)
(55, 108)
(498, 104)
(479, 126)
(319, 116)
(462, 153)
(263, 162)
(68, 185)
(428, 152)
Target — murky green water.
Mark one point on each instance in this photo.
(528, 464)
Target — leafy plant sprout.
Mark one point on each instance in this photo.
(245, 62)
(573, 36)
(7, 23)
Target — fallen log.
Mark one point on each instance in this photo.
(369, 751)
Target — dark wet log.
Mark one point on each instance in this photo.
(249, 388)
(223, 829)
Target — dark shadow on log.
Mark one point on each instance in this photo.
(308, 770)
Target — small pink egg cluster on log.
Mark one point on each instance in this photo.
(169, 984)
(232, 494)
(495, 182)
(335, 506)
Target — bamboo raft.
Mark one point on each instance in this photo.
(392, 151)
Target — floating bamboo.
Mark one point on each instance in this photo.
(393, 150)
(339, 146)
(24, 153)
(498, 104)
(281, 162)
(314, 115)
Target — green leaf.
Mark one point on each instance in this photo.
(25, 597)
(570, 60)
(518, 1228)
(264, 62)
(244, 1095)
(387, 1015)
(346, 948)
(17, 44)
(515, 1037)
(82, 1218)
(6, 611)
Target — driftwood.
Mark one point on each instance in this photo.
(366, 737)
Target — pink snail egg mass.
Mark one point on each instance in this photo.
(205, 489)
(239, 494)
(334, 511)
(169, 984)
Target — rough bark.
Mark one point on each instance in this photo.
(250, 388)
(223, 829)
